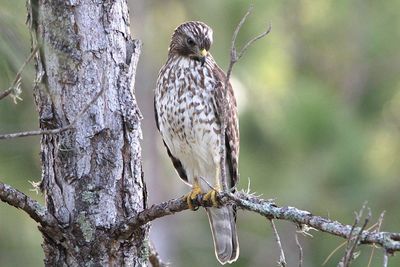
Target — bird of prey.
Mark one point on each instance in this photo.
(188, 107)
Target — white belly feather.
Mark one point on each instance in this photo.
(189, 127)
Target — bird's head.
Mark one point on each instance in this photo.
(192, 39)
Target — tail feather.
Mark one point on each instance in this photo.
(223, 228)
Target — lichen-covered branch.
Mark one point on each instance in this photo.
(387, 240)
(21, 201)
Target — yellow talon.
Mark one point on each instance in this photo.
(212, 196)
(196, 190)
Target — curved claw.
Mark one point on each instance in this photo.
(212, 197)
(192, 196)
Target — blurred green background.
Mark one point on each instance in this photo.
(319, 103)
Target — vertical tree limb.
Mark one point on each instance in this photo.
(234, 57)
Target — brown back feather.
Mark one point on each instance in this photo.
(232, 124)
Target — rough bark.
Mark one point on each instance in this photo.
(92, 174)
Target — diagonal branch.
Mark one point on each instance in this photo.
(54, 131)
(17, 79)
(21, 201)
(387, 240)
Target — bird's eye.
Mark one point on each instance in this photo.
(190, 42)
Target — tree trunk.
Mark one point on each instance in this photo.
(92, 174)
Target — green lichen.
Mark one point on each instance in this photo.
(86, 227)
(41, 210)
(89, 197)
(145, 249)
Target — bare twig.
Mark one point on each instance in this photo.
(234, 57)
(282, 260)
(342, 245)
(353, 240)
(378, 228)
(21, 201)
(385, 259)
(301, 256)
(154, 257)
(387, 240)
(55, 131)
(333, 252)
(17, 79)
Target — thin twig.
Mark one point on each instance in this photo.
(258, 37)
(385, 259)
(55, 131)
(301, 256)
(379, 224)
(18, 76)
(352, 243)
(333, 252)
(342, 245)
(345, 261)
(282, 260)
(234, 57)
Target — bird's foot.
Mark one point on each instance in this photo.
(211, 197)
(192, 197)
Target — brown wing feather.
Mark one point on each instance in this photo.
(232, 125)
(176, 162)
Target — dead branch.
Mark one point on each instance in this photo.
(378, 228)
(54, 131)
(354, 238)
(282, 259)
(301, 256)
(387, 240)
(16, 83)
(234, 57)
(21, 201)
(385, 259)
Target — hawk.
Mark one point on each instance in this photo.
(188, 102)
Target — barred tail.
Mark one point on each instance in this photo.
(223, 228)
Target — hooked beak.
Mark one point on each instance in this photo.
(202, 57)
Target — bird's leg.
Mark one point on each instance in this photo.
(212, 197)
(212, 194)
(196, 190)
